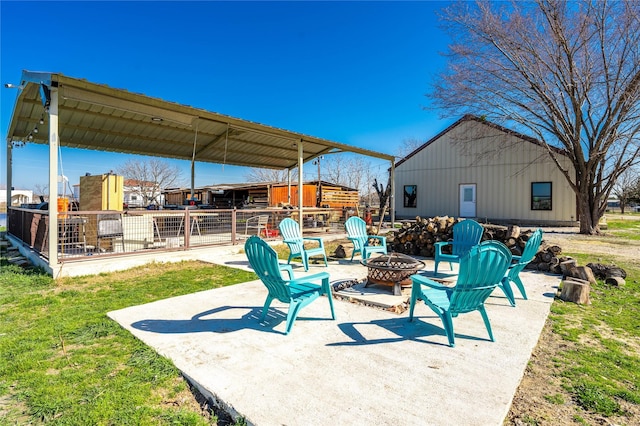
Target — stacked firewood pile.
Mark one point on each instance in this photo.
(419, 237)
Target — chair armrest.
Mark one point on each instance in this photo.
(516, 258)
(319, 275)
(313, 239)
(287, 268)
(313, 277)
(319, 240)
(422, 280)
(438, 245)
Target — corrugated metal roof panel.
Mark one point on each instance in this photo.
(95, 116)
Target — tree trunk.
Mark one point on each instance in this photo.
(589, 216)
(383, 194)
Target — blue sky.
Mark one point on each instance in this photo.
(352, 72)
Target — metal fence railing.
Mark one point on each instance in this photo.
(86, 235)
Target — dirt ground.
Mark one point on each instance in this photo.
(540, 398)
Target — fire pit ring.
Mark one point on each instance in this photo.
(394, 269)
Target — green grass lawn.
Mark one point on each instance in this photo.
(600, 365)
(63, 361)
(622, 229)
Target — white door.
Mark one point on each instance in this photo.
(468, 200)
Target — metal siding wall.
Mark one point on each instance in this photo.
(503, 180)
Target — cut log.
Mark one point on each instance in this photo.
(516, 251)
(513, 232)
(543, 267)
(576, 291)
(583, 272)
(566, 265)
(615, 281)
(614, 271)
(511, 242)
(532, 265)
(546, 256)
(556, 250)
(602, 271)
(555, 269)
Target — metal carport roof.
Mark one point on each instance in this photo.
(58, 110)
(96, 116)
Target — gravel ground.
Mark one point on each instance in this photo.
(606, 245)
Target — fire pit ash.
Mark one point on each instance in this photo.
(394, 269)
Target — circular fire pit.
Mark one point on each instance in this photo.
(392, 269)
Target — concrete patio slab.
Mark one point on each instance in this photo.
(369, 366)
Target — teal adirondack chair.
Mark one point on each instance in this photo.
(481, 269)
(357, 233)
(298, 293)
(466, 234)
(513, 274)
(290, 232)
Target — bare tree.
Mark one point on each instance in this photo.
(148, 178)
(347, 170)
(635, 194)
(367, 195)
(626, 187)
(567, 71)
(270, 175)
(335, 169)
(407, 146)
(384, 192)
(41, 191)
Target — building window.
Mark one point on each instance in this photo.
(134, 197)
(541, 196)
(410, 196)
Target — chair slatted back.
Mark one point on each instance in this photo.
(357, 228)
(263, 219)
(532, 246)
(110, 225)
(264, 261)
(466, 234)
(481, 269)
(529, 252)
(290, 231)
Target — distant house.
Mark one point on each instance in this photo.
(141, 194)
(18, 196)
(613, 204)
(478, 169)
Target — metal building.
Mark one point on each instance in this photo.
(478, 169)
